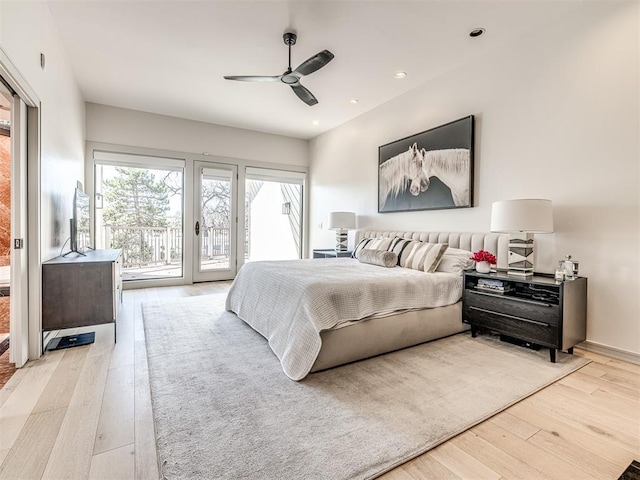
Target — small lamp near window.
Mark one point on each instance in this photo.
(521, 219)
(342, 222)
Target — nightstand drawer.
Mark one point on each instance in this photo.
(520, 308)
(520, 327)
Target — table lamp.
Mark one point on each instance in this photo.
(342, 222)
(521, 219)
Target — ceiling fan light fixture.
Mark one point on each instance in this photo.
(399, 74)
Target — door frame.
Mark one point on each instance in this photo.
(234, 240)
(19, 277)
(30, 344)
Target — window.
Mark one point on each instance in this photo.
(274, 214)
(139, 209)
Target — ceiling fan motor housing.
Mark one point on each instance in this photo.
(289, 79)
(289, 38)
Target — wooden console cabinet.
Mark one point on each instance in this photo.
(79, 291)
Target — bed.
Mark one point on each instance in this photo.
(321, 313)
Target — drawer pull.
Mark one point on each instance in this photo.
(527, 320)
(516, 299)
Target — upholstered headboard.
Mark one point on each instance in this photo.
(496, 243)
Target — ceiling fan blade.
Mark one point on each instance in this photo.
(314, 63)
(304, 94)
(253, 78)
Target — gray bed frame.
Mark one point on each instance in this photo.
(376, 336)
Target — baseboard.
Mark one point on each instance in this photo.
(612, 352)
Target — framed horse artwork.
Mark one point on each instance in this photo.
(430, 170)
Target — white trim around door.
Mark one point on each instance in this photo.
(26, 341)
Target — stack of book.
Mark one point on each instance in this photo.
(497, 286)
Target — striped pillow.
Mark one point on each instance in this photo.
(380, 243)
(399, 245)
(423, 256)
(361, 244)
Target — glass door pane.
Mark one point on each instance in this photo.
(216, 221)
(273, 213)
(139, 210)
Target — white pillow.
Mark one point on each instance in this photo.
(455, 260)
(458, 251)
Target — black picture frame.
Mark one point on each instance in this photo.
(430, 170)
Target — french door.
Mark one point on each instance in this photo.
(180, 220)
(215, 225)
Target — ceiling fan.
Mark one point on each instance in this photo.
(292, 77)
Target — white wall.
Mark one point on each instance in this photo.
(140, 129)
(557, 116)
(26, 30)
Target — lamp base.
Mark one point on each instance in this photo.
(342, 239)
(521, 254)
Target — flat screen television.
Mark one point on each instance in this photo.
(80, 222)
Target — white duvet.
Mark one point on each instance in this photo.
(290, 302)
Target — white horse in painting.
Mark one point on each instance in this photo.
(395, 172)
(451, 166)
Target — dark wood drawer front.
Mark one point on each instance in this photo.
(539, 312)
(526, 329)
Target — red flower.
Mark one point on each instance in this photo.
(484, 256)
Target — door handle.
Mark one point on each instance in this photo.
(197, 228)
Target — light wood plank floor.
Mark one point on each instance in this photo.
(85, 413)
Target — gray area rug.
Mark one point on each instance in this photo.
(224, 409)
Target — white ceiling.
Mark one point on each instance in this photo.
(169, 57)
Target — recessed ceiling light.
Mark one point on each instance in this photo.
(476, 32)
(353, 101)
(316, 122)
(399, 74)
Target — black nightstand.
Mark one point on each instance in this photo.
(537, 309)
(330, 253)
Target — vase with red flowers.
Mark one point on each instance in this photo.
(484, 260)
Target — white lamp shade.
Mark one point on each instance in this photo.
(522, 215)
(342, 221)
